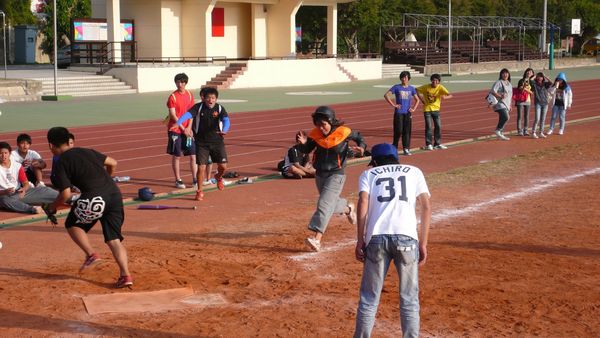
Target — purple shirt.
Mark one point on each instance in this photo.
(404, 96)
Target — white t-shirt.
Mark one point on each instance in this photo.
(9, 177)
(31, 155)
(393, 191)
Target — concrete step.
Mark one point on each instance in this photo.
(104, 92)
(85, 85)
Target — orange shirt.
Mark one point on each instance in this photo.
(182, 102)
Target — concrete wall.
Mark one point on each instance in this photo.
(494, 67)
(366, 69)
(147, 25)
(237, 42)
(160, 78)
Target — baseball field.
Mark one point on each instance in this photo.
(513, 251)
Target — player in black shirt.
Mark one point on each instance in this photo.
(209, 125)
(100, 199)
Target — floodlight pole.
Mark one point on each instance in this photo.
(544, 25)
(4, 39)
(55, 51)
(449, 35)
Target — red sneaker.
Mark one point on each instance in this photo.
(89, 261)
(199, 195)
(124, 281)
(220, 183)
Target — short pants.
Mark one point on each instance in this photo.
(177, 145)
(207, 151)
(90, 208)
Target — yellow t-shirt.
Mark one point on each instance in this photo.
(432, 96)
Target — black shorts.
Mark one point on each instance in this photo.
(90, 208)
(207, 151)
(177, 145)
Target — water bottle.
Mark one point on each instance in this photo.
(121, 178)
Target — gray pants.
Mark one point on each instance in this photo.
(33, 196)
(330, 187)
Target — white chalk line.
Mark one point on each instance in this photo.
(447, 214)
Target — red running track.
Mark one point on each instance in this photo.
(258, 140)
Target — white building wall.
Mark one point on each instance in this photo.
(363, 69)
(237, 42)
(170, 20)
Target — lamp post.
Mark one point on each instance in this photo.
(55, 50)
(544, 25)
(4, 39)
(449, 35)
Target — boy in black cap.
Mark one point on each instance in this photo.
(100, 199)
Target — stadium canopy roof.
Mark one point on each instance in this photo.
(441, 21)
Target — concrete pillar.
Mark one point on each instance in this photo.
(332, 29)
(259, 30)
(281, 28)
(113, 20)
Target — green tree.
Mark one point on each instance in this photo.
(66, 10)
(18, 12)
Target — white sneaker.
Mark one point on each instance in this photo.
(534, 135)
(207, 182)
(441, 146)
(179, 184)
(550, 132)
(560, 132)
(407, 152)
(428, 147)
(40, 184)
(542, 135)
(501, 136)
(313, 244)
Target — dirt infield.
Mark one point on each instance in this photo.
(513, 252)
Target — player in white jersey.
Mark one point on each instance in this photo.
(387, 231)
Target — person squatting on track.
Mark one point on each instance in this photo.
(502, 90)
(16, 193)
(296, 164)
(100, 199)
(178, 103)
(522, 98)
(30, 159)
(542, 87)
(561, 102)
(329, 139)
(431, 95)
(404, 94)
(207, 117)
(387, 231)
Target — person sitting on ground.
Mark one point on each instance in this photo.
(31, 160)
(16, 193)
(296, 164)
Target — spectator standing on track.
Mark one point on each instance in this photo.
(329, 139)
(502, 90)
(296, 164)
(431, 95)
(561, 102)
(403, 105)
(16, 193)
(210, 123)
(178, 103)
(542, 88)
(387, 231)
(100, 199)
(522, 100)
(31, 160)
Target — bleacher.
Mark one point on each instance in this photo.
(417, 53)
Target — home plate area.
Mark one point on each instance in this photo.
(151, 301)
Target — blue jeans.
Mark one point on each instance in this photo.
(502, 119)
(433, 128)
(382, 249)
(558, 112)
(540, 117)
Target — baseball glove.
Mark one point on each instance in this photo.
(50, 213)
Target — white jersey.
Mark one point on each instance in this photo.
(9, 177)
(31, 155)
(393, 191)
